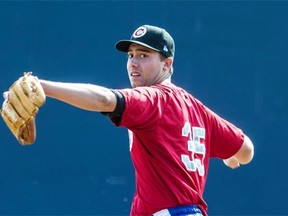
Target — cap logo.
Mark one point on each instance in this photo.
(140, 32)
(165, 49)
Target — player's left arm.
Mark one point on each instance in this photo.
(85, 96)
(243, 156)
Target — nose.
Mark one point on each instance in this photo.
(132, 63)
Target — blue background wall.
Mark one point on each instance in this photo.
(230, 55)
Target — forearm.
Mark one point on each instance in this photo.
(84, 96)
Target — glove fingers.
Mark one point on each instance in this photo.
(20, 107)
(12, 119)
(34, 90)
(21, 103)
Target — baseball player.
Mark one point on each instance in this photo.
(172, 135)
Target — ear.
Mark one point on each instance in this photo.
(168, 63)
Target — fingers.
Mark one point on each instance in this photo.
(6, 95)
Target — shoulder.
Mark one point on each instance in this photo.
(143, 91)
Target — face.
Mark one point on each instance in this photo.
(145, 66)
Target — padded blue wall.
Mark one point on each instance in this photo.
(232, 55)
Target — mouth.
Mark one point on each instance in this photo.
(135, 74)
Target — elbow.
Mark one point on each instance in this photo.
(248, 156)
(108, 102)
(246, 152)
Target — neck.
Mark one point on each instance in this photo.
(167, 80)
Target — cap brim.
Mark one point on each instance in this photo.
(123, 45)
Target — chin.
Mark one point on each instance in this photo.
(134, 85)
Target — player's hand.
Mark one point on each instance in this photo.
(6, 96)
(231, 162)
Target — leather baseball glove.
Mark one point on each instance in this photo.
(20, 107)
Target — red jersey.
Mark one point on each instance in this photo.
(172, 136)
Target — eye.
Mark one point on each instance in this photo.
(143, 56)
(129, 55)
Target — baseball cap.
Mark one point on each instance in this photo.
(152, 37)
